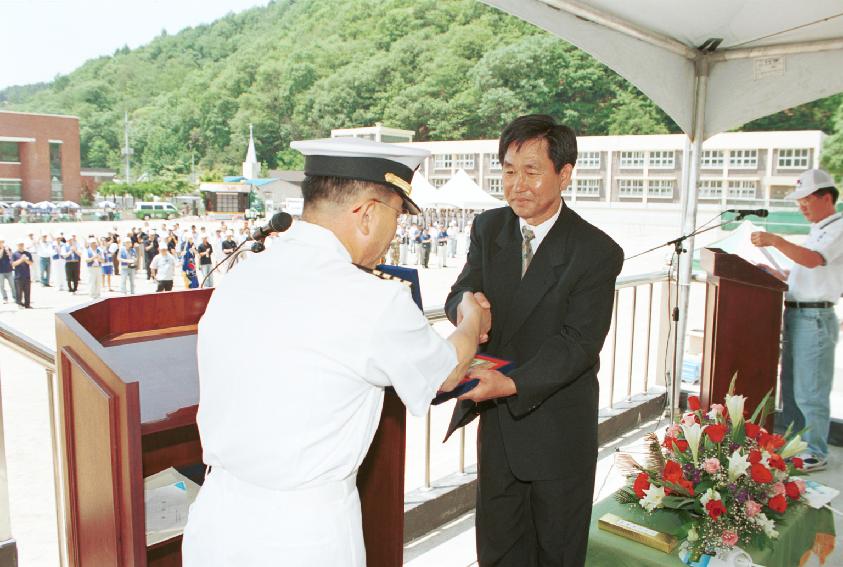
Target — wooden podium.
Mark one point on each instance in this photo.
(129, 394)
(743, 321)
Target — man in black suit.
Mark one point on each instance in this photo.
(550, 278)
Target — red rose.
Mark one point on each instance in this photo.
(778, 504)
(760, 473)
(776, 462)
(693, 403)
(752, 430)
(716, 432)
(792, 490)
(754, 456)
(674, 444)
(672, 472)
(682, 445)
(771, 441)
(642, 483)
(715, 508)
(797, 462)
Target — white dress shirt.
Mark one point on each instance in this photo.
(541, 230)
(823, 283)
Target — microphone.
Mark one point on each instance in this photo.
(746, 212)
(278, 223)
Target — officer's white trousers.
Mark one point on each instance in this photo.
(234, 523)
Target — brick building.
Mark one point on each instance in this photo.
(39, 157)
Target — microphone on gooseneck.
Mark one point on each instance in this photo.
(278, 223)
(746, 212)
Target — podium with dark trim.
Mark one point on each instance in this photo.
(743, 322)
(129, 395)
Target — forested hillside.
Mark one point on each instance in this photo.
(447, 69)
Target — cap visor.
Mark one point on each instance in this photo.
(409, 205)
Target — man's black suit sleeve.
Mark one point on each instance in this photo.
(565, 356)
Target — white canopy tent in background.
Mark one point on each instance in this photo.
(711, 66)
(462, 192)
(425, 195)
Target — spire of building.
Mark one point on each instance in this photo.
(251, 167)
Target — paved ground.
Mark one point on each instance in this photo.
(25, 401)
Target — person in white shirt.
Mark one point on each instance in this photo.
(286, 424)
(45, 254)
(128, 257)
(94, 260)
(811, 328)
(164, 265)
(57, 262)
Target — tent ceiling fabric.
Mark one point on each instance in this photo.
(775, 54)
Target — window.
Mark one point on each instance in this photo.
(660, 189)
(631, 187)
(495, 185)
(588, 160)
(10, 190)
(442, 161)
(663, 159)
(743, 159)
(494, 162)
(438, 181)
(227, 203)
(464, 161)
(712, 159)
(793, 159)
(632, 160)
(9, 152)
(742, 189)
(588, 187)
(56, 190)
(710, 189)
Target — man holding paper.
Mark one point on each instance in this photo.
(550, 278)
(810, 325)
(285, 428)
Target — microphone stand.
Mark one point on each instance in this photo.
(678, 249)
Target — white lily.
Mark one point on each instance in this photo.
(735, 406)
(738, 465)
(693, 433)
(653, 497)
(709, 495)
(768, 525)
(793, 447)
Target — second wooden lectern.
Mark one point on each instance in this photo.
(743, 321)
(129, 397)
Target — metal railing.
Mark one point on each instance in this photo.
(641, 311)
(44, 357)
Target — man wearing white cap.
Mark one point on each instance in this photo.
(285, 429)
(810, 324)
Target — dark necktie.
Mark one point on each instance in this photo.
(526, 248)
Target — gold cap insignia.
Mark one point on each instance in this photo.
(398, 182)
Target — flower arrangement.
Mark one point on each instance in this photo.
(729, 478)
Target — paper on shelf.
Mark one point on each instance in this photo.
(818, 495)
(167, 499)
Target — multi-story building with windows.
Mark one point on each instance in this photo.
(39, 157)
(735, 167)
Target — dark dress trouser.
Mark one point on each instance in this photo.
(512, 514)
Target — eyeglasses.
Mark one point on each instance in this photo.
(397, 211)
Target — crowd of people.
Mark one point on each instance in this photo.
(112, 260)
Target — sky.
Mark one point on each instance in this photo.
(45, 38)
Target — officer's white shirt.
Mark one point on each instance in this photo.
(294, 351)
(823, 283)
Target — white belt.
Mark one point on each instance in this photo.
(326, 492)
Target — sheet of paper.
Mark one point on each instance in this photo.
(818, 495)
(167, 499)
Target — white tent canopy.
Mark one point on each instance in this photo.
(462, 192)
(425, 195)
(711, 66)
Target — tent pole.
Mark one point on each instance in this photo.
(689, 221)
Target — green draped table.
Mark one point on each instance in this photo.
(803, 531)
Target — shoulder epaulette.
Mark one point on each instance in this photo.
(384, 275)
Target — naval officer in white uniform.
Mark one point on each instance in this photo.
(288, 409)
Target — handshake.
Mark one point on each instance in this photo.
(476, 305)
